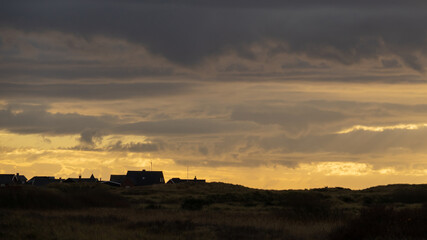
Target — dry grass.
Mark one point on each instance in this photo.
(153, 224)
(209, 211)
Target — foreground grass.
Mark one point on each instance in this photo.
(153, 224)
(211, 211)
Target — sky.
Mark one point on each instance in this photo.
(267, 94)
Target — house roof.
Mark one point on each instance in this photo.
(19, 179)
(117, 178)
(179, 180)
(141, 178)
(6, 178)
(22, 178)
(41, 180)
(80, 179)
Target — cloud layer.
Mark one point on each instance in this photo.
(301, 86)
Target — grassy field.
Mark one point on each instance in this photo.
(211, 211)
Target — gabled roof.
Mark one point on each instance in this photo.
(142, 178)
(117, 178)
(22, 178)
(19, 179)
(80, 179)
(6, 179)
(42, 180)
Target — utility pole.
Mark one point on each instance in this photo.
(151, 165)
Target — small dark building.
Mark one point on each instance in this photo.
(12, 179)
(179, 180)
(117, 178)
(143, 178)
(42, 180)
(20, 179)
(6, 180)
(82, 180)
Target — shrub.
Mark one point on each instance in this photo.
(193, 204)
(384, 223)
(76, 196)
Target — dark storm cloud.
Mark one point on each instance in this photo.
(185, 126)
(101, 91)
(390, 63)
(187, 32)
(28, 119)
(70, 72)
(24, 119)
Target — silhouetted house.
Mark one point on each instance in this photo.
(42, 180)
(143, 178)
(6, 180)
(12, 179)
(179, 180)
(92, 179)
(19, 179)
(117, 178)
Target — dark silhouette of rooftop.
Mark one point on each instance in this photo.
(81, 180)
(6, 179)
(179, 180)
(143, 178)
(117, 178)
(42, 180)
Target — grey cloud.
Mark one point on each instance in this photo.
(357, 142)
(319, 75)
(294, 119)
(373, 110)
(301, 64)
(412, 61)
(133, 147)
(184, 126)
(90, 137)
(390, 63)
(70, 72)
(101, 91)
(25, 120)
(189, 31)
(203, 150)
(236, 67)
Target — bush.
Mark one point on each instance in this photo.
(384, 223)
(305, 205)
(60, 197)
(193, 204)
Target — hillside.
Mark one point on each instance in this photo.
(209, 211)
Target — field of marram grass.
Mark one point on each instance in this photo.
(211, 211)
(155, 224)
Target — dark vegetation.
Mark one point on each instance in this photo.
(60, 196)
(211, 211)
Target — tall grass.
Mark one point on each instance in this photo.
(60, 196)
(211, 211)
